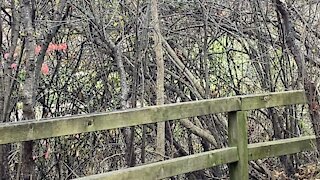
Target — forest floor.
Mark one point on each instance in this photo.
(305, 172)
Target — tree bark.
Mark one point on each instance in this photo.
(160, 76)
(195, 82)
(28, 92)
(199, 132)
(304, 80)
(4, 171)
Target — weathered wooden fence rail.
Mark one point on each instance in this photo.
(236, 155)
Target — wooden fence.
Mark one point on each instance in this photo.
(236, 155)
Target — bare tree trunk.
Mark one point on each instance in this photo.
(314, 109)
(6, 84)
(204, 134)
(28, 93)
(127, 132)
(304, 80)
(8, 81)
(4, 171)
(205, 49)
(160, 76)
(1, 73)
(195, 82)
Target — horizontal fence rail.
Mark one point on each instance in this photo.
(54, 127)
(172, 167)
(204, 160)
(281, 147)
(236, 155)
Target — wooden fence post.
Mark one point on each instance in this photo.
(238, 137)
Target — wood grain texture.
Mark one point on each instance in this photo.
(281, 147)
(172, 167)
(38, 129)
(238, 137)
(258, 101)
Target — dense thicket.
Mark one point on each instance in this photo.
(62, 57)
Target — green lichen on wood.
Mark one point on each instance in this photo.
(31, 130)
(251, 102)
(238, 137)
(172, 167)
(238, 154)
(281, 147)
